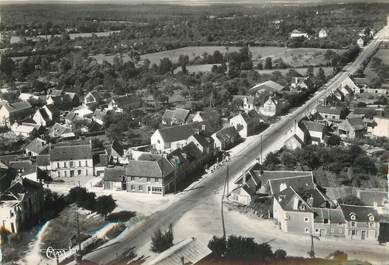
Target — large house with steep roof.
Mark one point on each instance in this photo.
(332, 113)
(270, 108)
(225, 138)
(352, 128)
(71, 159)
(314, 130)
(35, 147)
(268, 86)
(170, 138)
(246, 123)
(125, 103)
(153, 176)
(46, 115)
(9, 113)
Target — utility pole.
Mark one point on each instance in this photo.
(222, 205)
(261, 150)
(78, 257)
(311, 253)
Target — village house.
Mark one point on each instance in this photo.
(170, 138)
(270, 108)
(205, 144)
(125, 103)
(298, 34)
(99, 115)
(328, 222)
(61, 131)
(71, 159)
(116, 153)
(177, 116)
(384, 90)
(322, 34)
(361, 42)
(332, 113)
(141, 176)
(268, 86)
(27, 97)
(225, 138)
(381, 128)
(209, 116)
(362, 222)
(9, 113)
(25, 129)
(315, 131)
(352, 128)
(348, 82)
(46, 115)
(62, 100)
(20, 205)
(378, 199)
(294, 142)
(35, 147)
(92, 99)
(299, 83)
(246, 123)
(245, 103)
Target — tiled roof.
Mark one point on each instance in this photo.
(361, 213)
(127, 101)
(226, 134)
(332, 215)
(153, 169)
(70, 151)
(43, 160)
(313, 126)
(267, 86)
(297, 183)
(336, 110)
(117, 147)
(192, 150)
(176, 133)
(114, 174)
(203, 141)
(189, 251)
(177, 115)
(373, 197)
(18, 106)
(356, 123)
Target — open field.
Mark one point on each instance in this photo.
(296, 57)
(383, 54)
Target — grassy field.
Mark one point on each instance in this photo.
(296, 57)
(383, 54)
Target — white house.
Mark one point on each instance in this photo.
(360, 42)
(25, 129)
(298, 34)
(9, 113)
(348, 82)
(171, 138)
(45, 116)
(323, 34)
(270, 108)
(245, 123)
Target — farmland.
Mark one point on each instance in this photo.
(296, 57)
(383, 54)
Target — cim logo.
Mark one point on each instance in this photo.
(53, 254)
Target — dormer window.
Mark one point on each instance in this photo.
(353, 217)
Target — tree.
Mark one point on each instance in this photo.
(280, 254)
(162, 241)
(271, 162)
(165, 66)
(268, 63)
(351, 200)
(333, 140)
(105, 204)
(218, 245)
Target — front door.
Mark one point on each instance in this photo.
(149, 189)
(363, 235)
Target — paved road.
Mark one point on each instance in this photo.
(272, 141)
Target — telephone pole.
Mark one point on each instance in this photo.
(78, 257)
(261, 150)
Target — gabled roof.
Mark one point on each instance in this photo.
(250, 99)
(203, 141)
(361, 213)
(70, 151)
(334, 216)
(153, 169)
(116, 147)
(177, 115)
(226, 134)
(37, 145)
(267, 86)
(18, 106)
(114, 174)
(373, 197)
(192, 150)
(313, 126)
(127, 101)
(250, 117)
(298, 183)
(189, 251)
(287, 198)
(336, 110)
(176, 133)
(356, 123)
(43, 160)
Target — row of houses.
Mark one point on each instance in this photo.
(300, 206)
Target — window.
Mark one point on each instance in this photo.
(140, 187)
(71, 164)
(326, 221)
(86, 163)
(306, 219)
(148, 179)
(79, 163)
(352, 217)
(11, 213)
(317, 230)
(132, 187)
(353, 224)
(353, 232)
(58, 164)
(132, 178)
(79, 172)
(372, 225)
(340, 230)
(306, 230)
(333, 116)
(155, 179)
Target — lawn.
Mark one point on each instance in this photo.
(296, 57)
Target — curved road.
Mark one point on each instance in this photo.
(272, 140)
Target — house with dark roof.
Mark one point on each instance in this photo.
(35, 147)
(208, 116)
(332, 113)
(245, 103)
(362, 222)
(9, 113)
(170, 138)
(246, 123)
(71, 159)
(62, 100)
(352, 128)
(125, 103)
(153, 177)
(177, 116)
(314, 130)
(46, 115)
(374, 198)
(354, 86)
(116, 153)
(203, 143)
(115, 178)
(225, 138)
(293, 142)
(20, 204)
(328, 222)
